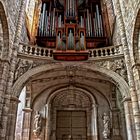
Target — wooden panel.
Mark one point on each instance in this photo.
(71, 125)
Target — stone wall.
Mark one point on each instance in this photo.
(129, 10)
(1, 38)
(12, 10)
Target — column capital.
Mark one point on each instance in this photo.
(14, 99)
(115, 110)
(126, 99)
(135, 66)
(95, 105)
(27, 110)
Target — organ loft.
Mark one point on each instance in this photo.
(72, 28)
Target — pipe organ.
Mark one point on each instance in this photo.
(71, 27)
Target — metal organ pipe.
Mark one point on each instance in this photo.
(49, 19)
(99, 22)
(46, 24)
(59, 21)
(100, 17)
(53, 23)
(96, 24)
(72, 8)
(67, 3)
(43, 18)
(82, 22)
(40, 23)
(95, 28)
(68, 7)
(88, 22)
(90, 25)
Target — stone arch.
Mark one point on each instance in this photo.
(40, 101)
(136, 39)
(118, 80)
(51, 94)
(81, 98)
(5, 31)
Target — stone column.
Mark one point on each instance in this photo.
(89, 125)
(123, 130)
(127, 107)
(116, 124)
(4, 69)
(133, 93)
(26, 124)
(53, 125)
(94, 126)
(49, 122)
(136, 72)
(20, 22)
(4, 118)
(12, 114)
(8, 74)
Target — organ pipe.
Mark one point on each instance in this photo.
(101, 25)
(99, 22)
(70, 8)
(52, 19)
(90, 21)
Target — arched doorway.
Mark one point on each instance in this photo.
(74, 115)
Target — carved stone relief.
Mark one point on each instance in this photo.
(24, 65)
(71, 98)
(116, 65)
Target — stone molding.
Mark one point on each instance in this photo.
(116, 65)
(15, 99)
(126, 99)
(136, 66)
(121, 84)
(27, 110)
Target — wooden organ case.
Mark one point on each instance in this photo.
(71, 27)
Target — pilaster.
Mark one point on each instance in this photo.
(128, 117)
(26, 123)
(11, 122)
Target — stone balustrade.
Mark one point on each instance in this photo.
(106, 51)
(36, 51)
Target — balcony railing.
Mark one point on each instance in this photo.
(106, 51)
(36, 51)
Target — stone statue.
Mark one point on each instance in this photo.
(37, 124)
(106, 123)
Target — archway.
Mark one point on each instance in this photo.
(54, 79)
(118, 80)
